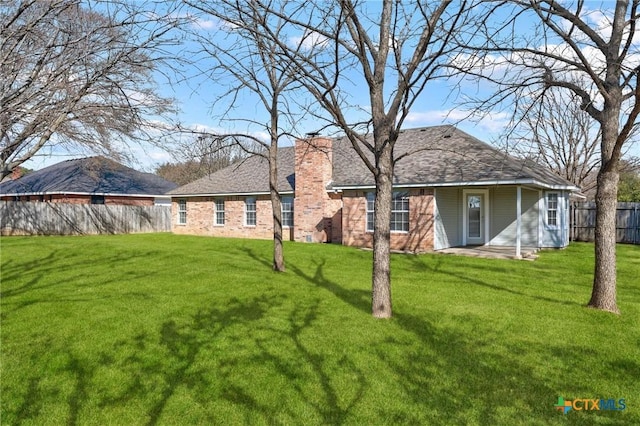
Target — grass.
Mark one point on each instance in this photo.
(165, 329)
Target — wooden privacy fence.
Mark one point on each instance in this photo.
(31, 218)
(583, 222)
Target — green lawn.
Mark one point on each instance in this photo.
(146, 329)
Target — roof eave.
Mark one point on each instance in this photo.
(532, 182)
(106, 194)
(227, 194)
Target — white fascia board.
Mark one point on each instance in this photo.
(106, 194)
(227, 194)
(532, 182)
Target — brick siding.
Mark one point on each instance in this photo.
(200, 218)
(420, 235)
(317, 215)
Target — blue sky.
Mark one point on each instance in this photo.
(436, 105)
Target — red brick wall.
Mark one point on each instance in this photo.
(200, 218)
(317, 215)
(420, 235)
(129, 201)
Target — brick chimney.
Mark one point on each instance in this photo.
(313, 209)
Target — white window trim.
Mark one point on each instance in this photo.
(216, 211)
(255, 203)
(557, 210)
(367, 211)
(179, 221)
(408, 211)
(282, 211)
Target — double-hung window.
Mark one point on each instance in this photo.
(250, 211)
(371, 196)
(219, 212)
(399, 211)
(552, 209)
(182, 212)
(287, 212)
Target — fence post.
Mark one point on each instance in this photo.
(636, 222)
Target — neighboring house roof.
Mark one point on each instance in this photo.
(92, 175)
(429, 156)
(248, 176)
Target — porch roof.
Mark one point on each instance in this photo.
(443, 156)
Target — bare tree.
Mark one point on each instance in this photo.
(251, 63)
(78, 75)
(198, 156)
(589, 52)
(391, 49)
(556, 133)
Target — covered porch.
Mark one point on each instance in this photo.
(502, 221)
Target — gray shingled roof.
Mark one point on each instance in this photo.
(436, 156)
(92, 175)
(442, 155)
(249, 176)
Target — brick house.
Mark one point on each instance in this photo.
(92, 180)
(450, 189)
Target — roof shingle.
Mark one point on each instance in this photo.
(92, 175)
(429, 156)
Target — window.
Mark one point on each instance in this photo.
(287, 212)
(182, 212)
(97, 199)
(219, 212)
(370, 204)
(399, 212)
(250, 211)
(552, 209)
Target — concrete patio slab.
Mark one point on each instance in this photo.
(492, 252)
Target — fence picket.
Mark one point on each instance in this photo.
(39, 218)
(583, 222)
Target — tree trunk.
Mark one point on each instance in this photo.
(381, 280)
(276, 207)
(603, 294)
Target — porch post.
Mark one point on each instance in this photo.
(518, 219)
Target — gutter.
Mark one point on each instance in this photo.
(227, 194)
(105, 194)
(534, 182)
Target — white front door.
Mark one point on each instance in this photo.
(475, 218)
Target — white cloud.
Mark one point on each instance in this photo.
(309, 41)
(491, 122)
(205, 24)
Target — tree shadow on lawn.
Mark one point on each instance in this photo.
(420, 263)
(218, 354)
(71, 271)
(255, 361)
(481, 384)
